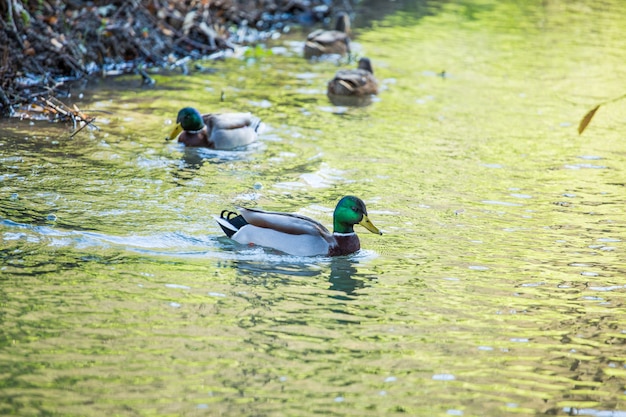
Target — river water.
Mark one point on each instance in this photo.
(497, 288)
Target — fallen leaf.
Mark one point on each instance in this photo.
(585, 121)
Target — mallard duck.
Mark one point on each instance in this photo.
(299, 235)
(354, 82)
(323, 42)
(215, 131)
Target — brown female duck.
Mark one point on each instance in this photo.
(326, 42)
(357, 85)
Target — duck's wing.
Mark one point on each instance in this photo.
(292, 224)
(314, 34)
(231, 130)
(353, 82)
(355, 78)
(326, 37)
(323, 42)
(230, 121)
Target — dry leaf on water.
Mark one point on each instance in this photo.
(585, 121)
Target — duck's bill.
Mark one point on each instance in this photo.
(175, 132)
(365, 222)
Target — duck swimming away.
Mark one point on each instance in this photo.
(326, 42)
(354, 82)
(215, 131)
(299, 235)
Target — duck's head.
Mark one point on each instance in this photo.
(350, 211)
(343, 23)
(189, 119)
(366, 64)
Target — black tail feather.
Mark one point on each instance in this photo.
(236, 220)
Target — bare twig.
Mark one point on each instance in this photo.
(56, 106)
(87, 122)
(12, 23)
(6, 103)
(146, 79)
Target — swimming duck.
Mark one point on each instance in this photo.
(299, 235)
(354, 82)
(215, 131)
(323, 42)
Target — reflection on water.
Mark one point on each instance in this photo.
(345, 277)
(356, 101)
(497, 288)
(370, 12)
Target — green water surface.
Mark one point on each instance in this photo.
(497, 289)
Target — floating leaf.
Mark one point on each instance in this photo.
(585, 121)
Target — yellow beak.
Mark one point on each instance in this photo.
(365, 222)
(175, 132)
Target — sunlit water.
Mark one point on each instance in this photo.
(498, 287)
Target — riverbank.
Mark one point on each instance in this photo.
(47, 44)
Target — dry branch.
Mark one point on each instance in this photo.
(49, 43)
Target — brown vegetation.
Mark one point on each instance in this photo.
(45, 43)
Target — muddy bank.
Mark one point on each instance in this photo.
(45, 44)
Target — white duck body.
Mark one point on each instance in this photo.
(231, 130)
(289, 233)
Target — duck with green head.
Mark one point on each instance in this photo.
(215, 131)
(355, 83)
(299, 235)
(326, 42)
